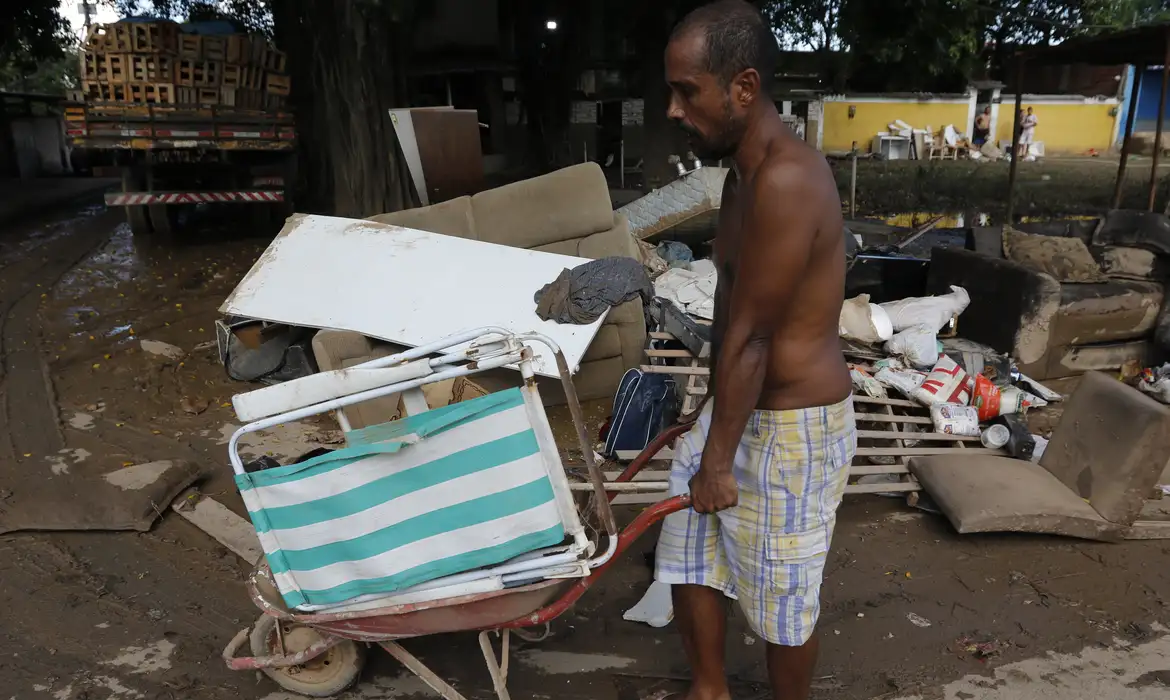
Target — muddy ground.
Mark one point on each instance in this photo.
(90, 616)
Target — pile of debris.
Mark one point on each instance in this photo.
(969, 389)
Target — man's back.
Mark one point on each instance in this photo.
(805, 366)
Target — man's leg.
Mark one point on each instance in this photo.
(701, 615)
(790, 669)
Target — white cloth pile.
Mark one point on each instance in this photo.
(692, 288)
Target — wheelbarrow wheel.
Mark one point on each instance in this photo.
(329, 674)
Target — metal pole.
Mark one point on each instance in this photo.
(1128, 134)
(1158, 133)
(1011, 203)
(853, 187)
(622, 162)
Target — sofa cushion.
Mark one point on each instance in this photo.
(451, 218)
(1064, 258)
(1110, 446)
(607, 343)
(988, 493)
(1104, 313)
(613, 241)
(568, 247)
(569, 203)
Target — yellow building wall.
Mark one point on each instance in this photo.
(871, 117)
(1064, 128)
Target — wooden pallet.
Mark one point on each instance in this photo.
(884, 426)
(116, 68)
(274, 60)
(199, 74)
(110, 37)
(152, 93)
(276, 84)
(154, 37)
(92, 66)
(190, 47)
(683, 362)
(152, 69)
(214, 48)
(239, 50)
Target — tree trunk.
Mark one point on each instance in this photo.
(345, 58)
(661, 137)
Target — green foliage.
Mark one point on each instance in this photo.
(1127, 13)
(34, 39)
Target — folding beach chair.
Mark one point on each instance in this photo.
(464, 499)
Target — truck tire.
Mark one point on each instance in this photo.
(164, 220)
(133, 181)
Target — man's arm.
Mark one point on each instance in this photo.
(777, 236)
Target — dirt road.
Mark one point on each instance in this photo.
(909, 607)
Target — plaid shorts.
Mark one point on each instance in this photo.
(769, 551)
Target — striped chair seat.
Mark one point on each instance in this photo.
(450, 490)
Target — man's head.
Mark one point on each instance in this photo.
(720, 63)
(1029, 110)
(987, 109)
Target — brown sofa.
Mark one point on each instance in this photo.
(1051, 329)
(567, 212)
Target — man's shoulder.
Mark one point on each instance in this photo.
(792, 175)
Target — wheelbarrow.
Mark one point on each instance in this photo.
(318, 648)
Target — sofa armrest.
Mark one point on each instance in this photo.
(616, 241)
(631, 325)
(336, 349)
(1011, 306)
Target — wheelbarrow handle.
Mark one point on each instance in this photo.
(633, 531)
(663, 439)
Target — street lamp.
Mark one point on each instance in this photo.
(551, 25)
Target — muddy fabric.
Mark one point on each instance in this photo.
(1065, 259)
(87, 487)
(1149, 230)
(581, 295)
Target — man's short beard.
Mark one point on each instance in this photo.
(723, 143)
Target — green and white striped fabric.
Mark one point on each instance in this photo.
(446, 491)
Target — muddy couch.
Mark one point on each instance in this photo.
(1052, 329)
(567, 212)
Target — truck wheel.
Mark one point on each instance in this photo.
(133, 181)
(164, 220)
(139, 222)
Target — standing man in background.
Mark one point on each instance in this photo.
(1027, 132)
(768, 458)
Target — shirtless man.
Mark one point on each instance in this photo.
(767, 461)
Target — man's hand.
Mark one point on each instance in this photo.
(713, 491)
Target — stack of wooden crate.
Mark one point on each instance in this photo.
(156, 63)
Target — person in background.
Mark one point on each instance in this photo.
(1027, 133)
(767, 460)
(982, 128)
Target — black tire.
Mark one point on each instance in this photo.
(133, 181)
(164, 220)
(259, 217)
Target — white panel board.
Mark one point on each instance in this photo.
(404, 286)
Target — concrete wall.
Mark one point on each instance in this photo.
(1066, 125)
(874, 113)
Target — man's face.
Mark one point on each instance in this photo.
(708, 111)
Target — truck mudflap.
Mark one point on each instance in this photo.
(121, 199)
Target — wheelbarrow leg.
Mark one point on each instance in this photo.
(498, 668)
(419, 669)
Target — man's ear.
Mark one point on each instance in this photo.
(746, 87)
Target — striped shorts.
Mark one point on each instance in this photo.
(769, 551)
